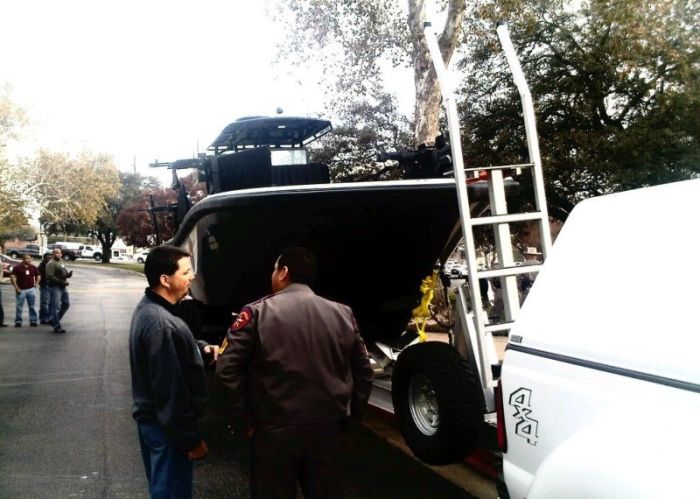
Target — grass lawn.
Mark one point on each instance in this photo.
(136, 267)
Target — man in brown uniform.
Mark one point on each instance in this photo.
(297, 369)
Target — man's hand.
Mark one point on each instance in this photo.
(212, 350)
(199, 452)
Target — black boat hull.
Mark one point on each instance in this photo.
(374, 243)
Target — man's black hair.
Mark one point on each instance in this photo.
(162, 260)
(301, 264)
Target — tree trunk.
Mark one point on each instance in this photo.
(106, 240)
(428, 97)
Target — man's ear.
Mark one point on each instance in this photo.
(165, 281)
(284, 273)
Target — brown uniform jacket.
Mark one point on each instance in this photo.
(295, 358)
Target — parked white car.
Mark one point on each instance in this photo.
(141, 257)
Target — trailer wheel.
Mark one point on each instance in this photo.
(438, 402)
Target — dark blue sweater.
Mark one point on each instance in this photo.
(167, 371)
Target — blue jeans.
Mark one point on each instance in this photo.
(168, 471)
(30, 296)
(44, 299)
(59, 303)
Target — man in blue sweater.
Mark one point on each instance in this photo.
(167, 376)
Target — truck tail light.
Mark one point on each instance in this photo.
(500, 419)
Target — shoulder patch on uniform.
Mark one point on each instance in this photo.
(243, 318)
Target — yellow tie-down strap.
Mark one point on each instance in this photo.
(421, 313)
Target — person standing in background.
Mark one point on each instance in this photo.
(44, 293)
(2, 310)
(25, 277)
(57, 277)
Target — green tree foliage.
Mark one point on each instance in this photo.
(106, 228)
(70, 191)
(12, 213)
(12, 205)
(615, 84)
(356, 42)
(351, 150)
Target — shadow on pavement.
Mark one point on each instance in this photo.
(369, 467)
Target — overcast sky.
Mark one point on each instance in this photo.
(143, 80)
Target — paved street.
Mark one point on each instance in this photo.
(65, 405)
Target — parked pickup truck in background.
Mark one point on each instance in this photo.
(68, 253)
(600, 383)
(89, 251)
(34, 250)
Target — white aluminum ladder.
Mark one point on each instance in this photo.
(474, 324)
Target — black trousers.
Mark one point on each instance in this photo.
(286, 455)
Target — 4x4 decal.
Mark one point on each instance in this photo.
(526, 426)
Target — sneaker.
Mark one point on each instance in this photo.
(17, 324)
(33, 324)
(59, 331)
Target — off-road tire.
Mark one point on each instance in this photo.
(457, 395)
(97, 257)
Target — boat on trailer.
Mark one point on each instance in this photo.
(375, 241)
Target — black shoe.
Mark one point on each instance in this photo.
(17, 324)
(3, 325)
(33, 324)
(59, 331)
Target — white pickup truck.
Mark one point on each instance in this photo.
(90, 251)
(600, 383)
